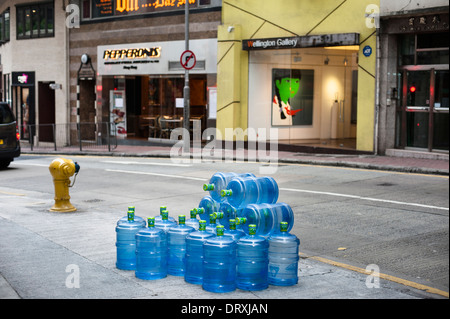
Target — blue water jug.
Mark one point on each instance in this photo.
(206, 207)
(252, 261)
(219, 263)
(126, 230)
(229, 212)
(159, 217)
(164, 223)
(219, 181)
(234, 233)
(212, 226)
(176, 239)
(283, 257)
(151, 252)
(266, 217)
(193, 221)
(194, 254)
(241, 192)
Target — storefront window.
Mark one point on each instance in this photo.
(152, 105)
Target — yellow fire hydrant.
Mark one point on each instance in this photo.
(62, 169)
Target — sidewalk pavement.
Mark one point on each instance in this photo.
(399, 161)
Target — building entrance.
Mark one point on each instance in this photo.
(424, 110)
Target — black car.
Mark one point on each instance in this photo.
(9, 136)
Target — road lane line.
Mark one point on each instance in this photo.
(31, 164)
(147, 163)
(401, 281)
(364, 198)
(155, 174)
(13, 194)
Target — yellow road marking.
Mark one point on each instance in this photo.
(13, 194)
(381, 275)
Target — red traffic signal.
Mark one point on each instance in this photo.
(412, 89)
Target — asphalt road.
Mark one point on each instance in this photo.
(351, 219)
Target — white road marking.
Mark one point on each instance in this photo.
(146, 163)
(364, 198)
(156, 174)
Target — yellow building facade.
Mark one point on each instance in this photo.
(306, 68)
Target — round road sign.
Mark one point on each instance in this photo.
(188, 60)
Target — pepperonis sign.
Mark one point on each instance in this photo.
(108, 8)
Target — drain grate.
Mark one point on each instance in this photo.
(95, 200)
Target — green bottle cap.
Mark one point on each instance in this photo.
(220, 230)
(181, 219)
(208, 187)
(219, 215)
(165, 215)
(162, 208)
(252, 229)
(283, 227)
(226, 192)
(241, 220)
(193, 213)
(232, 224)
(130, 215)
(132, 208)
(202, 225)
(200, 210)
(212, 218)
(151, 222)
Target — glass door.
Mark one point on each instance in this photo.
(417, 108)
(424, 109)
(440, 111)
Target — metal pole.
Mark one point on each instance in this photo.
(187, 93)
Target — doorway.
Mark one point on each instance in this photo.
(24, 110)
(424, 111)
(46, 107)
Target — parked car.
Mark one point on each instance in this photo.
(9, 136)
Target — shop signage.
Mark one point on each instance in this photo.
(301, 42)
(140, 53)
(108, 8)
(22, 79)
(156, 57)
(423, 23)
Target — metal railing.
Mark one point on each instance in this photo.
(70, 136)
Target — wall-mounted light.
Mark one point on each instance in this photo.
(85, 58)
(327, 60)
(345, 61)
(230, 29)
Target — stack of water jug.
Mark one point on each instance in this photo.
(241, 240)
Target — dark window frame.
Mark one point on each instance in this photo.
(5, 26)
(38, 13)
